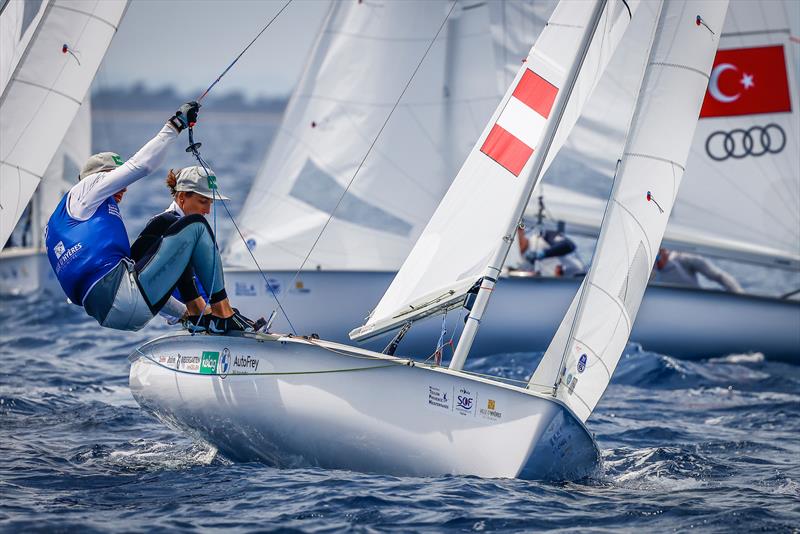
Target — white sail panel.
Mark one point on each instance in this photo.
(364, 56)
(18, 22)
(44, 93)
(641, 201)
(463, 234)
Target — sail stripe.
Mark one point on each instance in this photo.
(536, 93)
(506, 150)
(514, 136)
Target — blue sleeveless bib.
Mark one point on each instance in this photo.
(82, 252)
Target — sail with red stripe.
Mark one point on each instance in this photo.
(464, 233)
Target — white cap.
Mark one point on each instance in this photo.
(194, 179)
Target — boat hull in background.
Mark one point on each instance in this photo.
(291, 402)
(24, 271)
(525, 313)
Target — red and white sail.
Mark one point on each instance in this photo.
(463, 234)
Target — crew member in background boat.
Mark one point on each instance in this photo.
(549, 252)
(88, 248)
(191, 195)
(681, 268)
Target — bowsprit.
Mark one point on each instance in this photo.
(738, 143)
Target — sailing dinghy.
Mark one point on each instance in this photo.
(298, 401)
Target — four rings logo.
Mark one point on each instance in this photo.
(739, 143)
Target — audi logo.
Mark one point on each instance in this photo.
(739, 143)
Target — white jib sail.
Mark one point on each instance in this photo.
(462, 237)
(364, 56)
(46, 74)
(736, 206)
(587, 346)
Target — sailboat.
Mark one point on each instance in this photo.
(291, 400)
(50, 53)
(387, 206)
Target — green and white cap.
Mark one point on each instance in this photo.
(104, 161)
(196, 180)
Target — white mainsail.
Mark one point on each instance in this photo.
(441, 269)
(50, 54)
(739, 206)
(580, 361)
(365, 54)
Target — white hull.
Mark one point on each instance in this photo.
(525, 313)
(24, 271)
(291, 402)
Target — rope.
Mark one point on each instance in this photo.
(201, 97)
(369, 150)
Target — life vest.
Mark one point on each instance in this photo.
(82, 252)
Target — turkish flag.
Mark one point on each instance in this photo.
(746, 81)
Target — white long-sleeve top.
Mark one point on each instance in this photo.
(85, 196)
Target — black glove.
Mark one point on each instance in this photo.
(185, 116)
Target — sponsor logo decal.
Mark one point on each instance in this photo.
(245, 364)
(465, 401)
(66, 256)
(245, 289)
(168, 360)
(739, 143)
(224, 362)
(272, 286)
(438, 398)
(59, 249)
(117, 159)
(582, 363)
(491, 412)
(208, 362)
(189, 363)
(113, 209)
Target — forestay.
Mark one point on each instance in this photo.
(463, 235)
(579, 362)
(364, 56)
(55, 50)
(738, 205)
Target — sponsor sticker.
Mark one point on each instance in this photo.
(225, 362)
(245, 289)
(168, 360)
(465, 401)
(490, 411)
(189, 363)
(208, 362)
(59, 249)
(582, 363)
(243, 364)
(439, 398)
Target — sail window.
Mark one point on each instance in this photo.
(319, 189)
(29, 13)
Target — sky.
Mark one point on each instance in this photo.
(188, 43)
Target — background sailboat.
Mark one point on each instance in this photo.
(357, 257)
(50, 53)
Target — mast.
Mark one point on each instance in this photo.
(495, 266)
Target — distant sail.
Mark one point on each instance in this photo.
(581, 359)
(454, 250)
(57, 47)
(739, 206)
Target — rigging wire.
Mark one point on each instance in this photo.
(201, 97)
(375, 140)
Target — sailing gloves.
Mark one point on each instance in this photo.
(186, 116)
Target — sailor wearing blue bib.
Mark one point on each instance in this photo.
(88, 248)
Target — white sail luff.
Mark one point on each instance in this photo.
(532, 176)
(639, 208)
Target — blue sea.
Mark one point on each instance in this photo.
(711, 445)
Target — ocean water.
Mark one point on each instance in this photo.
(712, 445)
